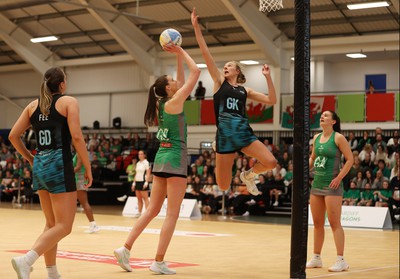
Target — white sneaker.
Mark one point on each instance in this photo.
(122, 198)
(250, 184)
(314, 263)
(122, 254)
(340, 265)
(276, 203)
(161, 268)
(246, 214)
(21, 267)
(93, 228)
(137, 215)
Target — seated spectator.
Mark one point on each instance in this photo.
(368, 178)
(395, 181)
(391, 140)
(284, 160)
(351, 196)
(394, 148)
(367, 149)
(363, 141)
(394, 203)
(366, 196)
(26, 186)
(382, 167)
(394, 162)
(245, 165)
(241, 198)
(262, 199)
(381, 155)
(378, 181)
(205, 174)
(383, 195)
(358, 180)
(6, 182)
(193, 171)
(190, 190)
(96, 167)
(367, 163)
(352, 141)
(206, 195)
(288, 180)
(379, 141)
(354, 169)
(279, 169)
(102, 159)
(277, 189)
(5, 154)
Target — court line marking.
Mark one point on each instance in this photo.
(352, 271)
(157, 231)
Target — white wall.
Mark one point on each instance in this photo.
(108, 90)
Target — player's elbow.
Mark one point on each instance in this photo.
(12, 137)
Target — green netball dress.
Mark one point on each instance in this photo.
(171, 157)
(326, 167)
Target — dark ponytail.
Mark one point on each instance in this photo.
(157, 91)
(336, 126)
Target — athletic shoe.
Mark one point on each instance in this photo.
(21, 267)
(161, 268)
(246, 214)
(315, 262)
(122, 254)
(250, 184)
(340, 265)
(93, 228)
(122, 198)
(276, 203)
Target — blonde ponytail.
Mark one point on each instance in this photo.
(45, 98)
(241, 78)
(50, 85)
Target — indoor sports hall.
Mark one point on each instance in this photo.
(324, 58)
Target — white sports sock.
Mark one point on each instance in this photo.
(340, 258)
(93, 223)
(31, 257)
(52, 272)
(317, 256)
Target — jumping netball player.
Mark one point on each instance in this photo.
(327, 187)
(54, 118)
(233, 130)
(165, 102)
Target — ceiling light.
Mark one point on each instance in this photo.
(368, 5)
(356, 55)
(44, 39)
(201, 66)
(249, 62)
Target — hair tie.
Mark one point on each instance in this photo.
(155, 94)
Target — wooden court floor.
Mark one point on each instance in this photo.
(213, 248)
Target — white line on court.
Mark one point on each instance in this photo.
(157, 231)
(352, 271)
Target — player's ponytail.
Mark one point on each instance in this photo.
(336, 126)
(50, 85)
(241, 78)
(156, 92)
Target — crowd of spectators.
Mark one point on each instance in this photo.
(372, 181)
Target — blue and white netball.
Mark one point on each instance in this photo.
(170, 36)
